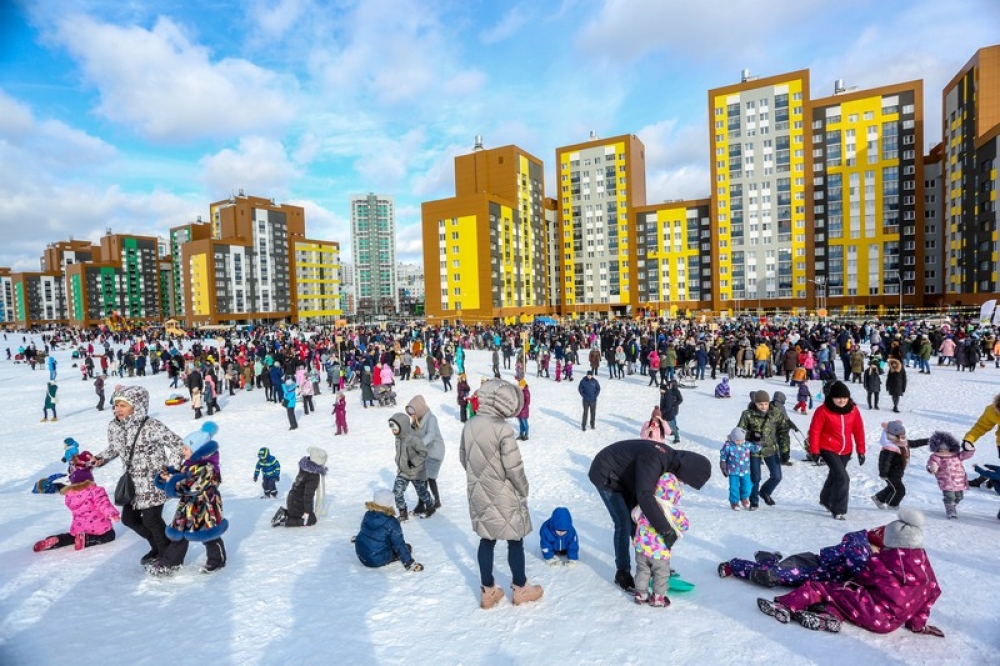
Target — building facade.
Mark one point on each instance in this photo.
(674, 257)
(759, 167)
(6, 297)
(971, 137)
(124, 278)
(599, 181)
(317, 281)
(867, 203)
(39, 299)
(373, 241)
(410, 278)
(933, 240)
(484, 249)
(179, 236)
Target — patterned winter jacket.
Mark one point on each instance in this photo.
(771, 428)
(157, 447)
(495, 481)
(949, 470)
(735, 458)
(647, 541)
(93, 512)
(199, 513)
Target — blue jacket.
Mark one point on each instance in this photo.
(275, 373)
(289, 393)
(267, 464)
(552, 543)
(589, 389)
(380, 540)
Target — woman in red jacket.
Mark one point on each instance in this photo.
(835, 433)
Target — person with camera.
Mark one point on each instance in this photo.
(146, 447)
(767, 428)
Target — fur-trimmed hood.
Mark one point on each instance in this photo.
(943, 443)
(387, 510)
(73, 487)
(896, 366)
(307, 465)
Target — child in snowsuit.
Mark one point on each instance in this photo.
(307, 494)
(271, 468)
(340, 413)
(734, 460)
(557, 536)
(946, 464)
(652, 554)
(198, 516)
(838, 563)
(896, 588)
(380, 541)
(411, 466)
(892, 461)
(803, 396)
(93, 514)
(722, 389)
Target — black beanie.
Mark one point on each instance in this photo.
(840, 390)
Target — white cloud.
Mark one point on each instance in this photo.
(163, 86)
(258, 165)
(509, 24)
(275, 18)
(410, 243)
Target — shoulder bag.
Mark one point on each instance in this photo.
(125, 490)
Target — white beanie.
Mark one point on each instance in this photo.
(384, 498)
(317, 455)
(907, 532)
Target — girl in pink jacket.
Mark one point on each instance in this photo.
(946, 464)
(93, 514)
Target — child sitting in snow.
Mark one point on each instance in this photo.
(557, 536)
(722, 388)
(380, 540)
(652, 552)
(271, 468)
(93, 514)
(734, 460)
(892, 462)
(946, 464)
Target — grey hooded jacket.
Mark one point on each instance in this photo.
(496, 483)
(411, 454)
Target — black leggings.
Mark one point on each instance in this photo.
(147, 523)
(515, 559)
(67, 539)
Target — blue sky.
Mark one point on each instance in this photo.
(136, 115)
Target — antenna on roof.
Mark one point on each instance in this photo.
(593, 135)
(479, 143)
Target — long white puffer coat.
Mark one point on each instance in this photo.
(496, 483)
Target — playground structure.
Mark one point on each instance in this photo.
(173, 329)
(116, 323)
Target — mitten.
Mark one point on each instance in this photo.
(414, 566)
(861, 459)
(255, 478)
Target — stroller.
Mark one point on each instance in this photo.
(385, 396)
(352, 380)
(686, 375)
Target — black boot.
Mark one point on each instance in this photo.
(434, 491)
(419, 509)
(624, 580)
(977, 482)
(403, 515)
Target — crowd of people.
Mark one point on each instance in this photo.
(639, 480)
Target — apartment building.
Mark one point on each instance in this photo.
(317, 281)
(124, 278)
(484, 249)
(971, 137)
(760, 165)
(178, 237)
(598, 183)
(373, 240)
(934, 216)
(6, 297)
(39, 299)
(673, 257)
(867, 205)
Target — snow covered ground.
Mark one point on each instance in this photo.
(300, 595)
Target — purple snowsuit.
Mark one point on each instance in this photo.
(835, 563)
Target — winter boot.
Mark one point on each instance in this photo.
(817, 621)
(624, 580)
(775, 609)
(149, 557)
(659, 601)
(428, 511)
(404, 515)
(434, 491)
(641, 598)
(951, 510)
(977, 482)
(79, 541)
(766, 556)
(879, 503)
(46, 544)
(279, 518)
(724, 570)
(491, 596)
(526, 593)
(418, 510)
